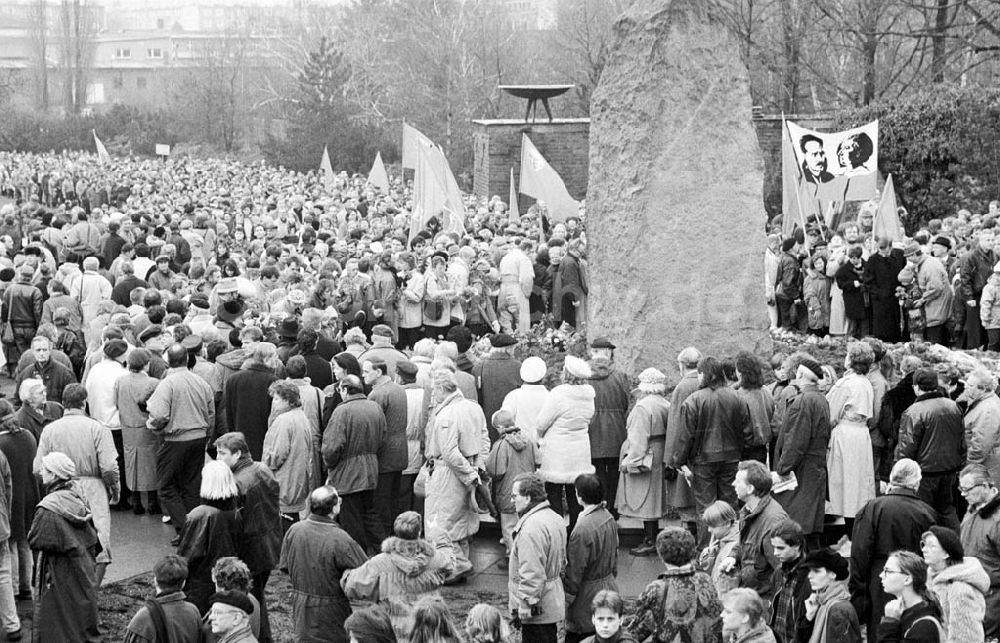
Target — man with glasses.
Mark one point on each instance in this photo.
(230, 617)
(887, 523)
(981, 535)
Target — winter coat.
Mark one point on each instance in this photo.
(816, 294)
(931, 433)
(678, 491)
(849, 281)
(975, 272)
(248, 404)
(756, 555)
(919, 623)
(981, 539)
(960, 590)
(496, 375)
(760, 634)
(525, 403)
(511, 455)
(537, 563)
(801, 449)
(288, 452)
(351, 444)
(458, 445)
(411, 301)
(788, 280)
(760, 402)
(591, 565)
(885, 524)
(401, 574)
(181, 618)
(641, 491)
(989, 306)
(564, 433)
(932, 279)
(788, 608)
(611, 401)
(982, 433)
(260, 542)
(835, 620)
(18, 446)
(715, 427)
(680, 605)
(391, 398)
(710, 559)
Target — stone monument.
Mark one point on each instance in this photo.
(675, 212)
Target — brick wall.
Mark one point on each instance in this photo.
(565, 144)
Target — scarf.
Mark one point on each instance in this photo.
(826, 598)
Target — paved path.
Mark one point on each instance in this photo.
(138, 541)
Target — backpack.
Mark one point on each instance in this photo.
(71, 343)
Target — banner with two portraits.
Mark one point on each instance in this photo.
(824, 170)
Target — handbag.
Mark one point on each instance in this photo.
(7, 334)
(420, 483)
(433, 309)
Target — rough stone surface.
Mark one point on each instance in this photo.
(675, 212)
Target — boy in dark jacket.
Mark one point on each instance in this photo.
(512, 455)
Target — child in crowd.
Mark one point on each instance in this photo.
(908, 293)
(722, 523)
(511, 455)
(989, 309)
(509, 311)
(607, 619)
(485, 624)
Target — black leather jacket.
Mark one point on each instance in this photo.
(931, 433)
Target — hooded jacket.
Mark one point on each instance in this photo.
(960, 590)
(402, 573)
(512, 455)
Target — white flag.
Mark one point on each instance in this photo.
(102, 152)
(540, 180)
(512, 206)
(327, 169)
(378, 176)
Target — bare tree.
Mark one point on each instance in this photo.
(39, 20)
(78, 25)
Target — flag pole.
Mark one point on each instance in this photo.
(798, 170)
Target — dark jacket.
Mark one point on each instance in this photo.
(912, 626)
(885, 524)
(120, 294)
(788, 608)
(975, 271)
(248, 405)
(351, 444)
(260, 545)
(801, 449)
(854, 297)
(496, 375)
(715, 426)
(183, 623)
(788, 284)
(591, 566)
(931, 433)
(611, 399)
(22, 305)
(391, 398)
(756, 555)
(19, 446)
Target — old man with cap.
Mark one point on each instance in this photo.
(230, 617)
(496, 375)
(931, 433)
(829, 614)
(525, 402)
(564, 436)
(63, 534)
(886, 524)
(607, 427)
(641, 493)
(678, 490)
(932, 279)
(88, 443)
(101, 401)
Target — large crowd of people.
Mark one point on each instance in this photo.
(283, 368)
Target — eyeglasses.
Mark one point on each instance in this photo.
(964, 490)
(885, 571)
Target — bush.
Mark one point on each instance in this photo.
(941, 147)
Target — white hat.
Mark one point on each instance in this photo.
(533, 370)
(652, 381)
(578, 367)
